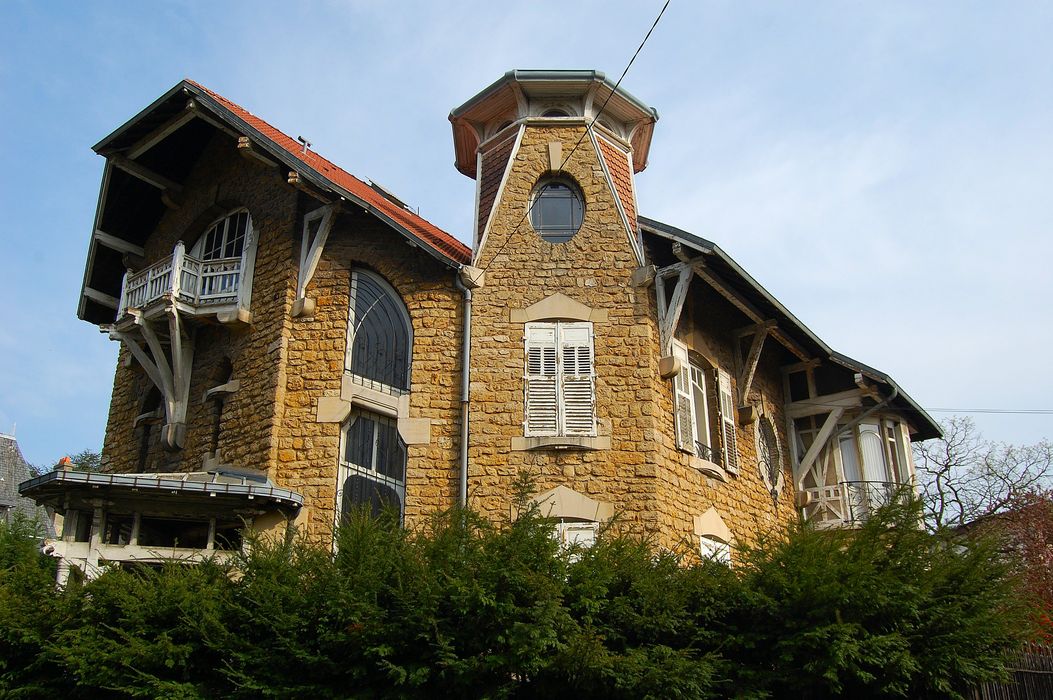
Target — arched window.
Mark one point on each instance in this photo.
(380, 336)
(372, 464)
(224, 238)
(769, 456)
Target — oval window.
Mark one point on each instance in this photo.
(556, 211)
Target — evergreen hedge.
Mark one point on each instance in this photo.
(466, 608)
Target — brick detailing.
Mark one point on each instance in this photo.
(619, 167)
(491, 173)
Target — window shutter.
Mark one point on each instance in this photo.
(726, 420)
(577, 381)
(541, 411)
(683, 404)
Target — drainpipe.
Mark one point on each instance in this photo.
(466, 363)
(468, 278)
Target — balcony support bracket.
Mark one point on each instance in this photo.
(170, 372)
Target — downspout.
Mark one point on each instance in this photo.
(466, 363)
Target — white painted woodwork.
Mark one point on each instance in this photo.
(102, 298)
(824, 403)
(145, 174)
(821, 438)
(311, 245)
(749, 368)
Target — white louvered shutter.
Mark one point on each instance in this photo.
(577, 379)
(541, 410)
(726, 420)
(683, 404)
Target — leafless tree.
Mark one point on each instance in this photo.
(963, 477)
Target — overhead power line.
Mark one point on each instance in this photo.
(588, 128)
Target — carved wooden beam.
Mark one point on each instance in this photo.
(749, 368)
(821, 404)
(170, 190)
(250, 152)
(669, 311)
(728, 292)
(160, 134)
(119, 244)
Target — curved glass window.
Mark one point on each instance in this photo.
(224, 238)
(556, 211)
(379, 334)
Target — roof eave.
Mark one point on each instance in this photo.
(709, 248)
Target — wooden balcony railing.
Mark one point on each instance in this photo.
(200, 283)
(851, 503)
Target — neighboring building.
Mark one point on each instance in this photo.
(14, 469)
(292, 331)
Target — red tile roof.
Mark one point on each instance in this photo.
(618, 165)
(424, 230)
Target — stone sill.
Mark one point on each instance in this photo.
(521, 444)
(710, 469)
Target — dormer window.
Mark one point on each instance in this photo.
(556, 210)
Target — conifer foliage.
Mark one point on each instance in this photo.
(466, 608)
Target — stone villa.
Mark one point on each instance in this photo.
(295, 341)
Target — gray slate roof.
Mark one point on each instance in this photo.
(14, 469)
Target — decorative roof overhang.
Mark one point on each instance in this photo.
(521, 94)
(189, 493)
(151, 155)
(757, 300)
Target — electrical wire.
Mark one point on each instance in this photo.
(588, 131)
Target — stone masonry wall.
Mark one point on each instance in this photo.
(220, 181)
(644, 476)
(308, 453)
(743, 501)
(593, 268)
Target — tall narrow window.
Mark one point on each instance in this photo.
(372, 464)
(691, 406)
(379, 334)
(560, 381)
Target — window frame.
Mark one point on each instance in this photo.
(552, 233)
(564, 388)
(347, 469)
(198, 250)
(357, 273)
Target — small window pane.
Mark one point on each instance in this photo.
(556, 212)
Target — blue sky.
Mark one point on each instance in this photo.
(883, 168)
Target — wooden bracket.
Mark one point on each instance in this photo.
(172, 379)
(170, 190)
(749, 367)
(251, 153)
(311, 247)
(669, 311)
(819, 443)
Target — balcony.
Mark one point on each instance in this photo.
(850, 503)
(197, 286)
